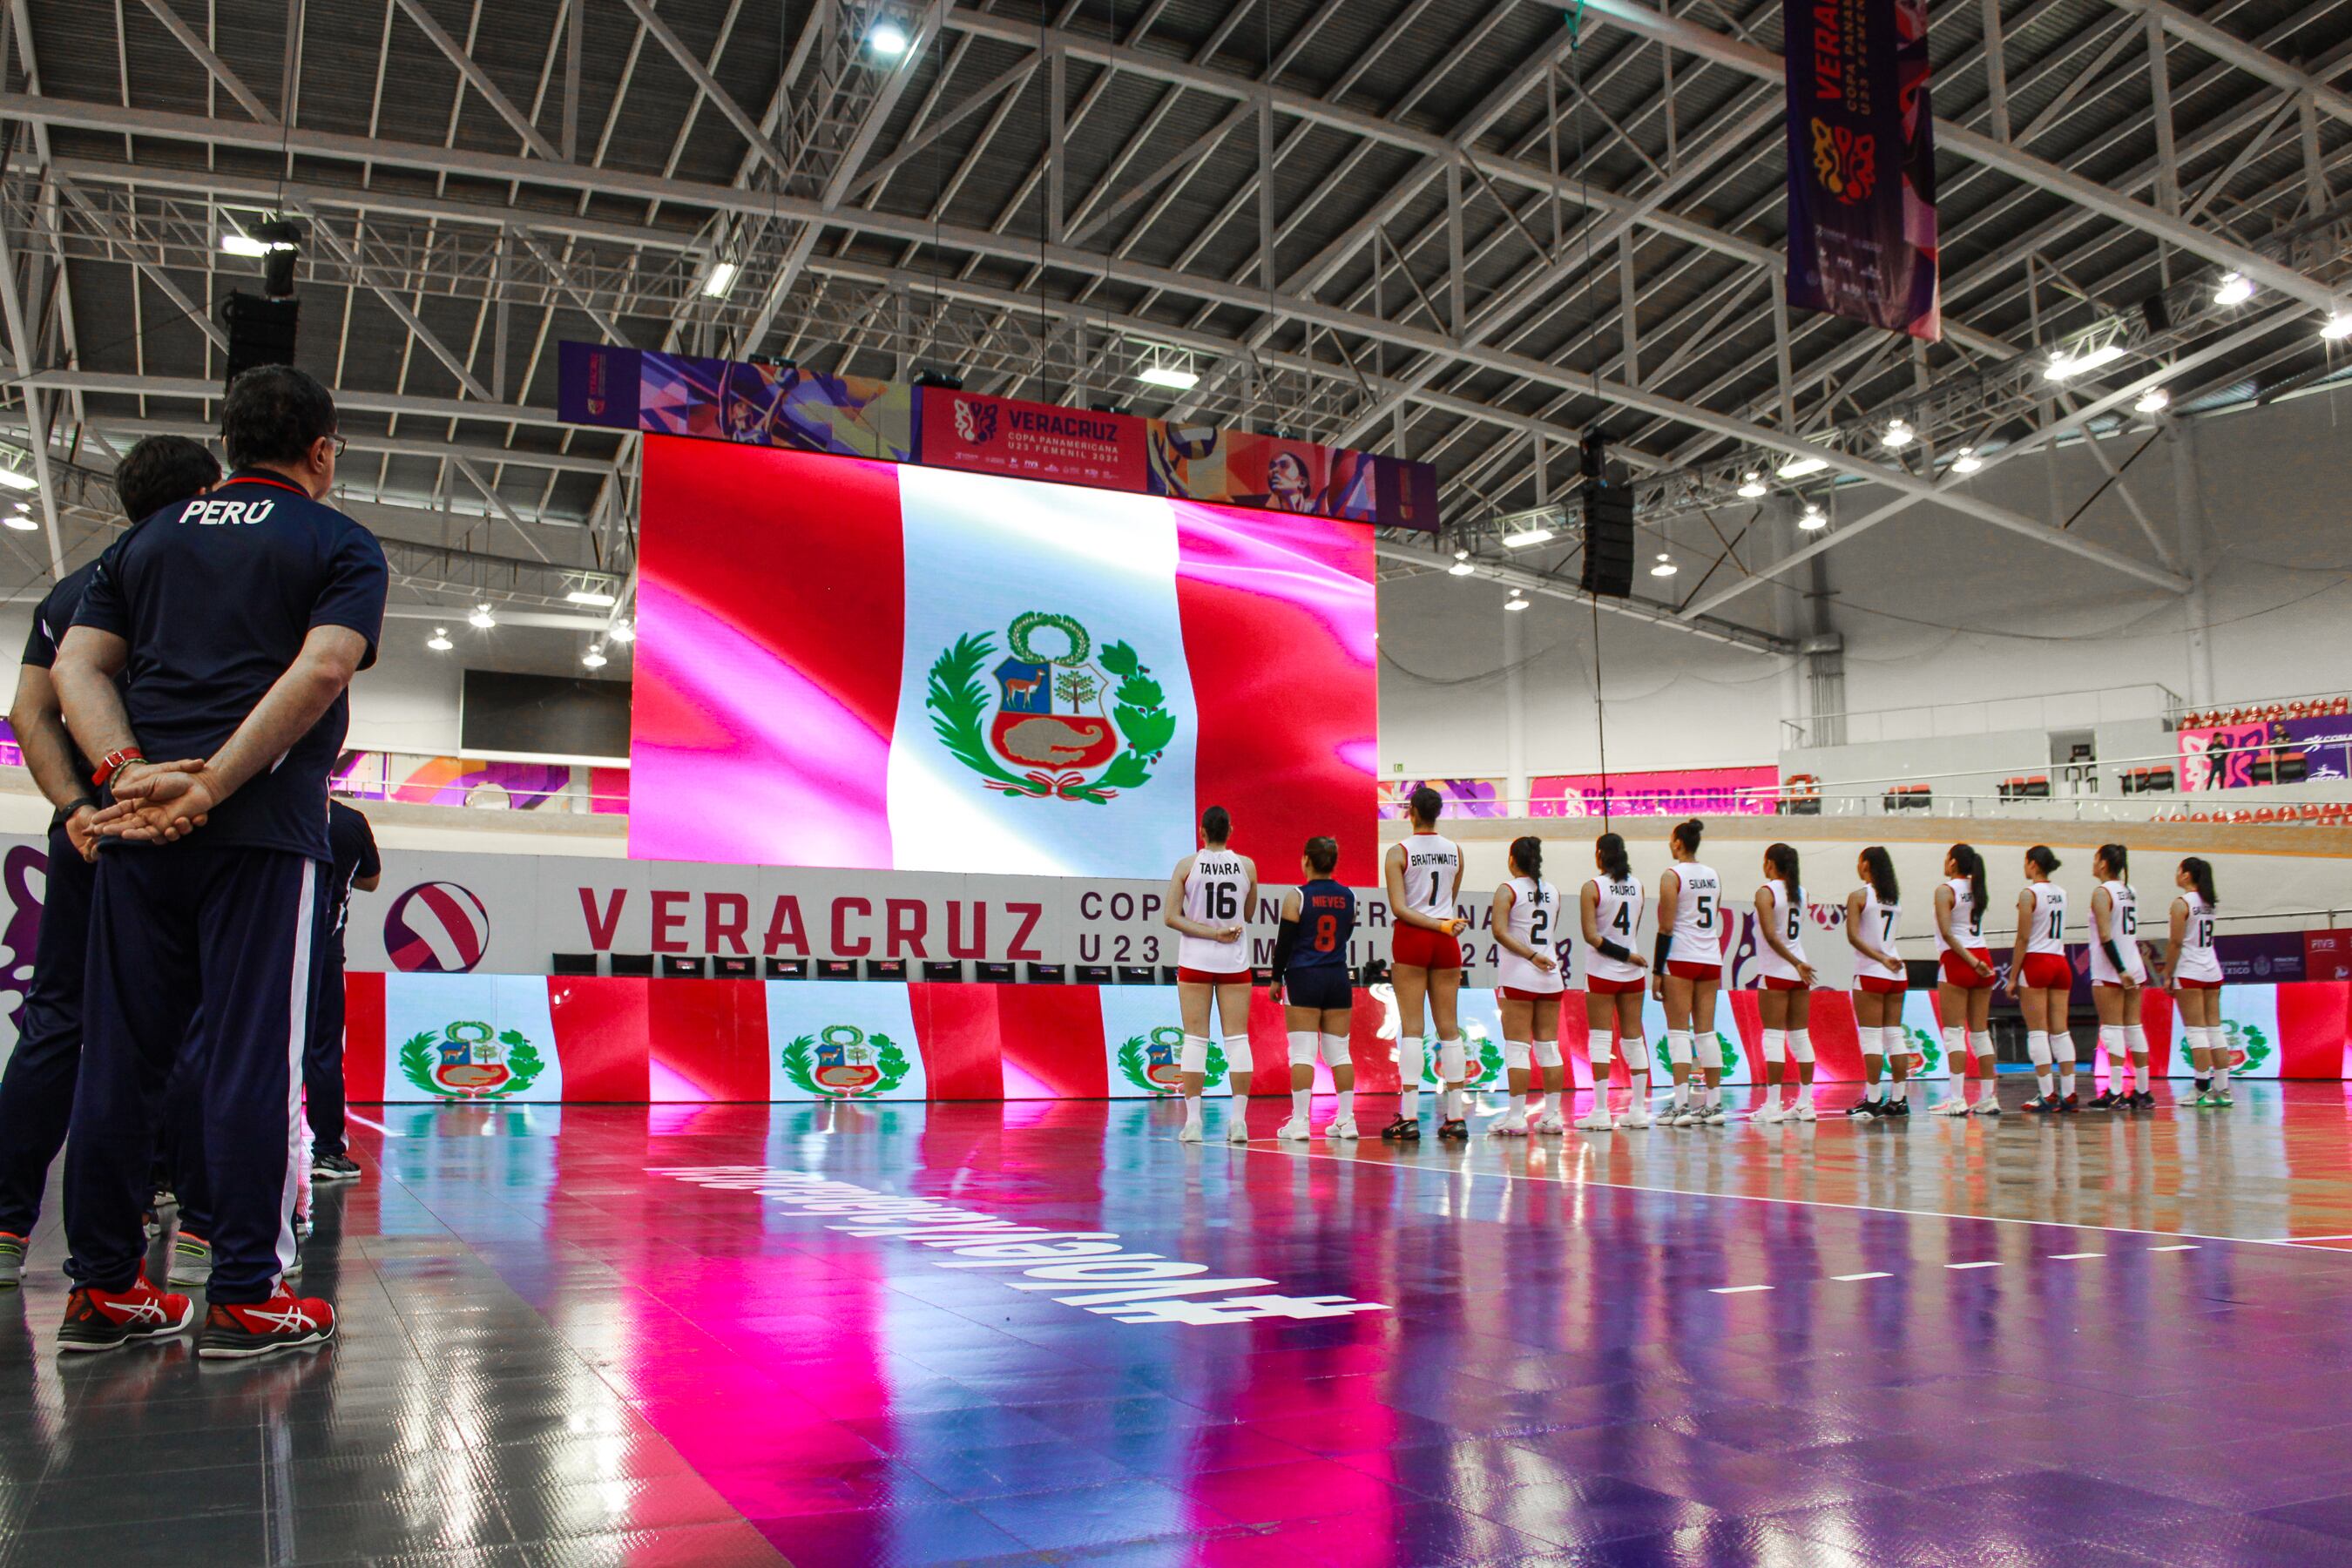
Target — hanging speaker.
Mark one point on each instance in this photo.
(2156, 313)
(260, 331)
(1607, 567)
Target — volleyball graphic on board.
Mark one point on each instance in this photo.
(436, 928)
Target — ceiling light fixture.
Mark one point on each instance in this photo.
(19, 481)
(601, 599)
(2155, 400)
(1462, 569)
(235, 244)
(2336, 328)
(594, 657)
(1515, 602)
(1966, 461)
(1525, 537)
(720, 280)
(623, 633)
(1899, 436)
(1665, 566)
(21, 520)
(481, 620)
(1751, 486)
(2062, 366)
(439, 641)
(1800, 468)
(888, 39)
(1814, 520)
(1171, 376)
(2233, 289)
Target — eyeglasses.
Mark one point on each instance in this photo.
(341, 444)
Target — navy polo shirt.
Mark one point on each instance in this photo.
(51, 616)
(354, 842)
(216, 596)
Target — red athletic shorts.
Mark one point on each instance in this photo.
(1211, 977)
(1687, 969)
(1957, 972)
(1518, 994)
(1774, 983)
(1599, 987)
(2048, 972)
(1887, 984)
(1421, 948)
(2201, 985)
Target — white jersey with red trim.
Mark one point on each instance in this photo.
(1698, 915)
(2123, 927)
(1788, 919)
(1432, 876)
(1535, 924)
(1617, 916)
(1217, 891)
(1968, 921)
(2047, 934)
(2196, 960)
(1879, 920)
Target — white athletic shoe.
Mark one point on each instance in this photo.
(1296, 1130)
(1637, 1118)
(1770, 1113)
(1595, 1121)
(1805, 1111)
(1550, 1124)
(1688, 1116)
(1508, 1126)
(1237, 1134)
(1188, 1133)
(1988, 1105)
(1952, 1106)
(1343, 1128)
(1716, 1117)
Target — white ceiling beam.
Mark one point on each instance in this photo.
(2256, 61)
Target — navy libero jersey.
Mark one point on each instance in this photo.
(51, 616)
(1326, 918)
(216, 596)
(353, 846)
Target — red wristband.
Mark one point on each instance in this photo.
(114, 762)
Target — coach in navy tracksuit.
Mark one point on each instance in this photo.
(36, 1093)
(355, 865)
(237, 623)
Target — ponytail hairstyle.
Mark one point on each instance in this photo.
(1782, 860)
(1611, 849)
(1323, 854)
(2042, 858)
(2201, 871)
(1882, 874)
(2118, 859)
(1425, 804)
(1971, 866)
(1216, 825)
(1687, 834)
(1526, 854)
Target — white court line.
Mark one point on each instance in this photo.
(1417, 1168)
(2070, 1257)
(1735, 1289)
(350, 1115)
(1988, 1264)
(1850, 1279)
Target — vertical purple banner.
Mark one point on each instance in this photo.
(1862, 163)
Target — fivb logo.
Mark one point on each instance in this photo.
(227, 513)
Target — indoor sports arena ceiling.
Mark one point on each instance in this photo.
(1486, 226)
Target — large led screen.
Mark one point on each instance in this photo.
(848, 663)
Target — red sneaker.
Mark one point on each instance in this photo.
(100, 1319)
(286, 1321)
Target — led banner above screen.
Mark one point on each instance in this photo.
(856, 416)
(855, 664)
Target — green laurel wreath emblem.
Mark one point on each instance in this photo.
(2249, 1039)
(523, 1062)
(1480, 1069)
(1929, 1046)
(958, 704)
(798, 1060)
(1131, 1063)
(1730, 1051)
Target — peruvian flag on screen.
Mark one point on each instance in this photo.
(859, 664)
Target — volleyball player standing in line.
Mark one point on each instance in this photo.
(2118, 975)
(1964, 992)
(1784, 994)
(1528, 984)
(1614, 979)
(2196, 978)
(1871, 913)
(1686, 971)
(1311, 986)
(2040, 977)
(1422, 874)
(1209, 895)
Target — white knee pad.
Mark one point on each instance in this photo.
(1237, 1053)
(1547, 1053)
(2037, 1047)
(2111, 1041)
(1637, 1054)
(1980, 1044)
(2136, 1038)
(1801, 1045)
(1195, 1056)
(1302, 1048)
(1409, 1062)
(1776, 1045)
(1678, 1047)
(1335, 1051)
(2062, 1046)
(1450, 1061)
(1874, 1042)
(1599, 1048)
(1514, 1054)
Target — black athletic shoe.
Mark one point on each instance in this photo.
(334, 1168)
(1896, 1110)
(1456, 1129)
(2069, 1106)
(1865, 1108)
(2143, 1100)
(2204, 1084)
(2108, 1099)
(2041, 1105)
(1404, 1129)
